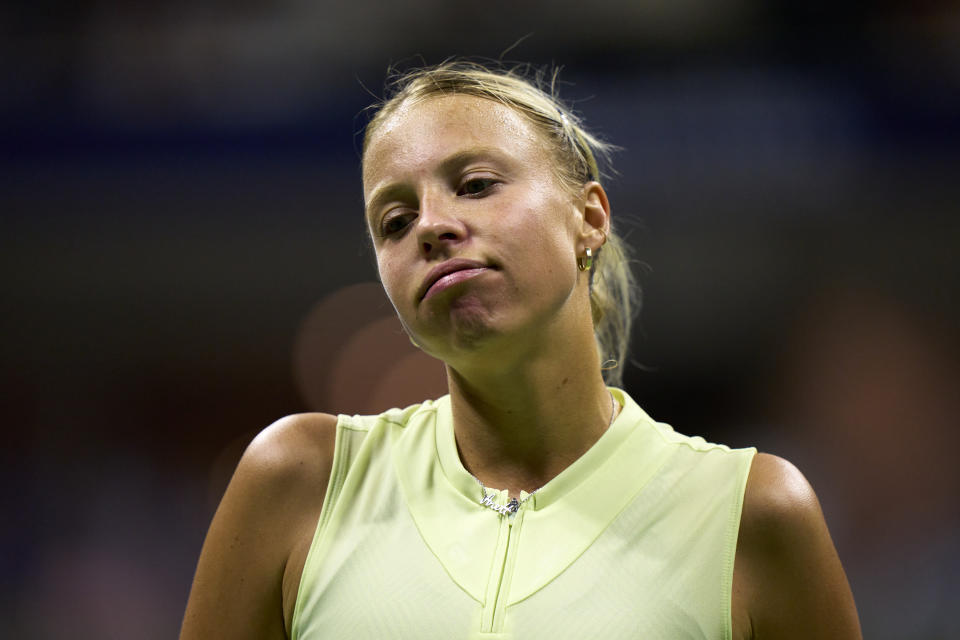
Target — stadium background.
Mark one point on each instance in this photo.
(184, 261)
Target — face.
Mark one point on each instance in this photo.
(476, 239)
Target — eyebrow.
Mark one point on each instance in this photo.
(450, 165)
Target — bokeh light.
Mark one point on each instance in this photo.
(353, 356)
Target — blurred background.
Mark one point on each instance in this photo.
(183, 261)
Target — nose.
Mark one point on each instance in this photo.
(438, 226)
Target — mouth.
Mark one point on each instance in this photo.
(447, 274)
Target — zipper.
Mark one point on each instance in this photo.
(501, 571)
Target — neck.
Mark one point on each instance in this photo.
(521, 425)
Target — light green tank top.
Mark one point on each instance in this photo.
(636, 539)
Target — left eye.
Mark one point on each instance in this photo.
(475, 186)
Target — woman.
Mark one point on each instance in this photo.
(533, 501)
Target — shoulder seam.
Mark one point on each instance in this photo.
(359, 422)
(684, 440)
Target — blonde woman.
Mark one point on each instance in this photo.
(533, 501)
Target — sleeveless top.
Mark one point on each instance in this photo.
(635, 539)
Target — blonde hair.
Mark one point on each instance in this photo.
(532, 93)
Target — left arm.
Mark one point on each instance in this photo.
(788, 581)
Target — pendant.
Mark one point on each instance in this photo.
(508, 509)
(504, 510)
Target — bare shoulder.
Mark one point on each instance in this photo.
(295, 448)
(283, 474)
(247, 574)
(788, 580)
(779, 501)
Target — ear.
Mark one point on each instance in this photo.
(596, 218)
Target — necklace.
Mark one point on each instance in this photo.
(509, 509)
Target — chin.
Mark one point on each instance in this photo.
(464, 327)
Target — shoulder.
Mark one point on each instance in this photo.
(788, 580)
(778, 499)
(243, 581)
(285, 466)
(292, 448)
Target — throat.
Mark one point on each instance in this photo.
(524, 455)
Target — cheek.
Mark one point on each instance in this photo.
(395, 281)
(548, 236)
(388, 276)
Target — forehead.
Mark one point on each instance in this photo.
(429, 130)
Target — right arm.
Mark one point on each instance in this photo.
(249, 570)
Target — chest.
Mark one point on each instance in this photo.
(381, 573)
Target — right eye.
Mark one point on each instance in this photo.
(394, 223)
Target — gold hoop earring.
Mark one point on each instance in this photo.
(585, 263)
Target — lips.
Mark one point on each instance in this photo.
(446, 273)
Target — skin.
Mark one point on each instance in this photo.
(459, 177)
(464, 177)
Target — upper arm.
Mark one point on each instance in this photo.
(788, 580)
(271, 504)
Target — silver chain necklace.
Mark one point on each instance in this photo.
(488, 500)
